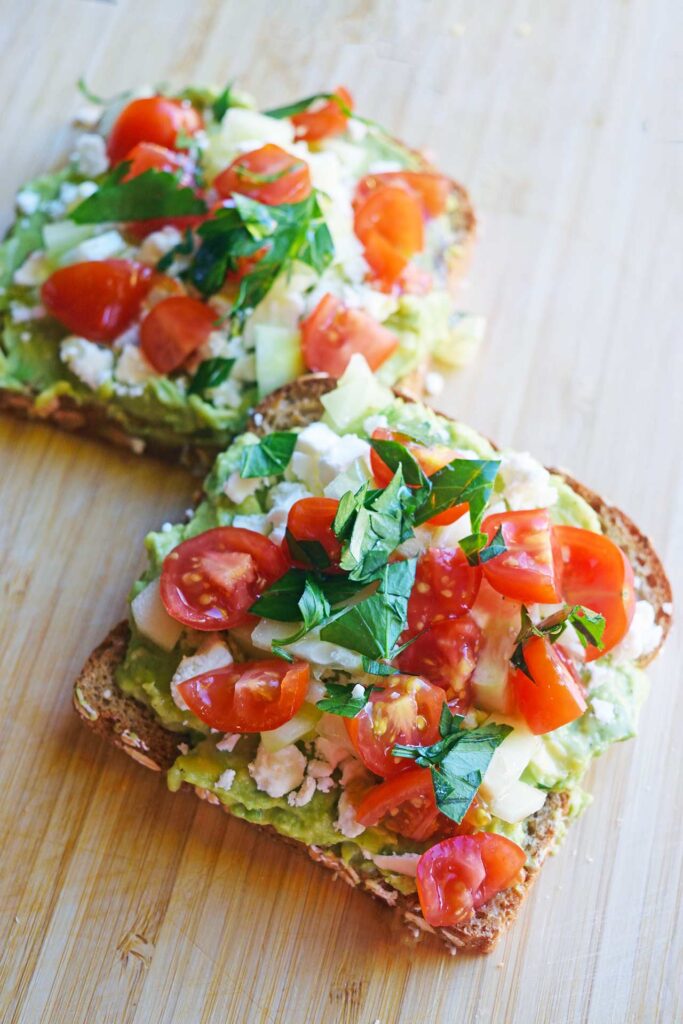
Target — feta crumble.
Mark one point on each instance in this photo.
(279, 772)
(90, 154)
(91, 363)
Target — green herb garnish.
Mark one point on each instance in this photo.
(589, 626)
(210, 374)
(148, 195)
(340, 700)
(269, 457)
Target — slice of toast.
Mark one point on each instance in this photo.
(133, 728)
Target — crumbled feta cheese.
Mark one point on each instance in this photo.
(399, 863)
(358, 691)
(133, 367)
(212, 654)
(33, 271)
(325, 784)
(158, 243)
(318, 769)
(303, 795)
(69, 196)
(316, 691)
(279, 772)
(331, 751)
(91, 363)
(226, 779)
(337, 460)
(643, 636)
(346, 822)
(257, 523)
(21, 314)
(87, 115)
(281, 498)
(183, 748)
(27, 201)
(131, 336)
(229, 741)
(372, 423)
(434, 383)
(90, 155)
(316, 439)
(99, 247)
(239, 489)
(603, 710)
(226, 395)
(153, 620)
(527, 484)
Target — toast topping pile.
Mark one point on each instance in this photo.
(385, 639)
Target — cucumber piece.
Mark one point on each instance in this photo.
(278, 357)
(64, 235)
(357, 394)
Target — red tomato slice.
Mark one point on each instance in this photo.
(406, 711)
(210, 581)
(597, 574)
(97, 299)
(332, 333)
(325, 120)
(459, 874)
(253, 696)
(526, 571)
(404, 804)
(554, 695)
(152, 119)
(446, 586)
(446, 655)
(432, 189)
(388, 221)
(429, 459)
(310, 519)
(270, 175)
(173, 329)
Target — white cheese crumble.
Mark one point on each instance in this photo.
(527, 483)
(90, 154)
(303, 795)
(158, 243)
(603, 710)
(346, 822)
(133, 367)
(434, 383)
(281, 498)
(27, 201)
(257, 523)
(643, 636)
(279, 772)
(212, 654)
(226, 779)
(91, 363)
(238, 489)
(399, 863)
(33, 271)
(229, 741)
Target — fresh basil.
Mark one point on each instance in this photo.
(222, 103)
(462, 480)
(378, 668)
(371, 525)
(394, 455)
(589, 626)
(479, 550)
(310, 553)
(269, 457)
(148, 195)
(281, 600)
(292, 109)
(458, 761)
(314, 608)
(210, 374)
(340, 700)
(184, 248)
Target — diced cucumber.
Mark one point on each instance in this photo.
(278, 357)
(302, 723)
(64, 235)
(358, 394)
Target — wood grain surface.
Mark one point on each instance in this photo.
(122, 903)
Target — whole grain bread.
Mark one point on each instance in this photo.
(134, 729)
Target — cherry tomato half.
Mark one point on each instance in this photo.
(446, 655)
(446, 586)
(404, 804)
(554, 695)
(429, 459)
(526, 571)
(457, 875)
(210, 581)
(310, 519)
(270, 175)
(325, 120)
(388, 221)
(332, 333)
(97, 299)
(151, 119)
(406, 711)
(252, 696)
(432, 189)
(174, 329)
(597, 574)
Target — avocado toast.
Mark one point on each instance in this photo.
(195, 254)
(492, 742)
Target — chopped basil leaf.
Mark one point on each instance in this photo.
(317, 249)
(148, 195)
(378, 668)
(222, 103)
(314, 608)
(341, 701)
(458, 761)
(589, 626)
(281, 600)
(395, 454)
(462, 480)
(478, 549)
(183, 248)
(297, 108)
(309, 552)
(371, 525)
(269, 457)
(210, 374)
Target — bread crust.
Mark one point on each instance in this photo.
(134, 729)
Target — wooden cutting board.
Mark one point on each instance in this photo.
(122, 903)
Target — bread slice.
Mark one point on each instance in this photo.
(133, 728)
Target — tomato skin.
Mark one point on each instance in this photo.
(405, 804)
(596, 573)
(554, 695)
(430, 459)
(431, 188)
(97, 299)
(328, 120)
(388, 221)
(232, 566)
(154, 119)
(445, 587)
(310, 519)
(407, 710)
(332, 333)
(459, 874)
(446, 655)
(251, 696)
(292, 184)
(526, 571)
(174, 329)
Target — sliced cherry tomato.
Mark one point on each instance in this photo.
(174, 329)
(432, 189)
(446, 586)
(210, 581)
(404, 804)
(457, 875)
(407, 710)
(526, 571)
(430, 459)
(388, 221)
(310, 519)
(554, 695)
(597, 574)
(151, 119)
(253, 696)
(97, 299)
(446, 655)
(270, 175)
(332, 333)
(325, 120)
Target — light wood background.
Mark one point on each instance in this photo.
(122, 903)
